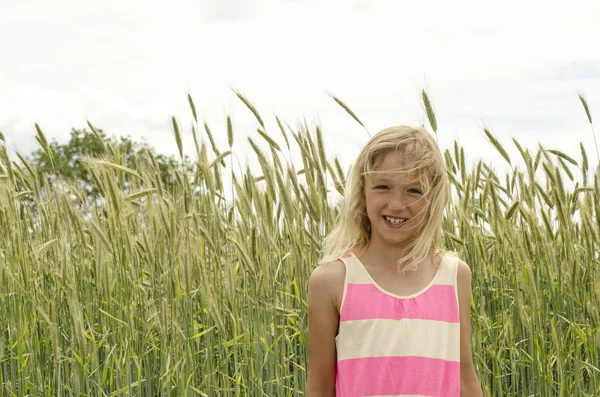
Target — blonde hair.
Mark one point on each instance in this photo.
(352, 230)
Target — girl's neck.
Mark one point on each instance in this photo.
(381, 255)
(385, 256)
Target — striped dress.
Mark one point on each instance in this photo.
(391, 345)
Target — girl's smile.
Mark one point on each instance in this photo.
(394, 222)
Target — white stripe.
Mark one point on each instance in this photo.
(406, 337)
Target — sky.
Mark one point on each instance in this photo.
(515, 67)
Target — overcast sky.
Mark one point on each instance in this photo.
(127, 66)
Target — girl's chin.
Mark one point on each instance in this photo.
(394, 242)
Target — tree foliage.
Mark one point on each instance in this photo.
(65, 160)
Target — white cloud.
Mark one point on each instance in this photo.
(127, 67)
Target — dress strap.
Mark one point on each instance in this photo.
(448, 270)
(355, 271)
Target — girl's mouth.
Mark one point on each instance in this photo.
(394, 222)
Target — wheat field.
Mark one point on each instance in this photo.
(199, 289)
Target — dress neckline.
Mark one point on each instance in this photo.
(380, 288)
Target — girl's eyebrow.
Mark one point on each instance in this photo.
(384, 179)
(381, 179)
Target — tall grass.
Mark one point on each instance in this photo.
(198, 290)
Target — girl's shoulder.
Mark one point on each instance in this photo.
(329, 273)
(327, 280)
(464, 271)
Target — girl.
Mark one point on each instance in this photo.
(388, 311)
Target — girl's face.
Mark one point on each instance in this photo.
(395, 202)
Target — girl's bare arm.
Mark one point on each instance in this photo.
(324, 290)
(469, 383)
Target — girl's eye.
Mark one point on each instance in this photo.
(413, 190)
(381, 187)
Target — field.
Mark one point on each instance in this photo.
(199, 288)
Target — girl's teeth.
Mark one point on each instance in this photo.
(395, 221)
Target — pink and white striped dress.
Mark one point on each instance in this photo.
(404, 346)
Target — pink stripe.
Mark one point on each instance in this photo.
(365, 301)
(376, 376)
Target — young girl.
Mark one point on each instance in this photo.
(388, 311)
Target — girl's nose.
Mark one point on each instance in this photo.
(397, 202)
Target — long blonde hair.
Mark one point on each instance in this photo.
(352, 230)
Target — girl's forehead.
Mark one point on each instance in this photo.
(397, 165)
(395, 160)
(396, 176)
